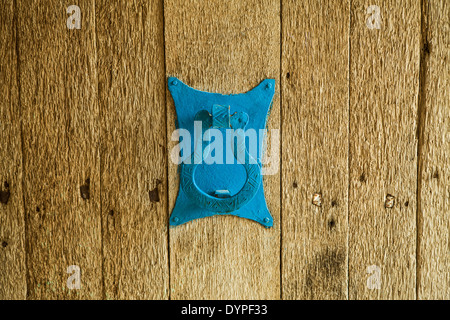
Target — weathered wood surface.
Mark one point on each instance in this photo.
(12, 225)
(433, 255)
(384, 82)
(133, 170)
(58, 97)
(85, 128)
(226, 47)
(315, 149)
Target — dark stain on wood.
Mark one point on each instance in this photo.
(362, 177)
(325, 273)
(154, 193)
(5, 194)
(85, 189)
(436, 175)
(331, 224)
(426, 47)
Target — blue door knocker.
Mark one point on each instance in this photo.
(221, 141)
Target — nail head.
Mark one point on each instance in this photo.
(389, 202)
(317, 200)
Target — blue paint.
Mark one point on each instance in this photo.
(226, 188)
(220, 116)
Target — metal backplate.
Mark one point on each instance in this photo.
(224, 187)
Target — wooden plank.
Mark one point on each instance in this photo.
(226, 47)
(132, 100)
(384, 82)
(58, 83)
(315, 149)
(434, 153)
(12, 226)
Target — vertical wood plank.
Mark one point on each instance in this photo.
(434, 154)
(384, 81)
(226, 47)
(12, 227)
(315, 149)
(133, 174)
(58, 82)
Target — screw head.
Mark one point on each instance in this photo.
(266, 220)
(269, 86)
(174, 82)
(176, 219)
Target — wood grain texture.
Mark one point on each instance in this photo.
(384, 82)
(132, 100)
(12, 226)
(433, 255)
(226, 47)
(85, 171)
(315, 149)
(58, 84)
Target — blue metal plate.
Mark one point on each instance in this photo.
(223, 187)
